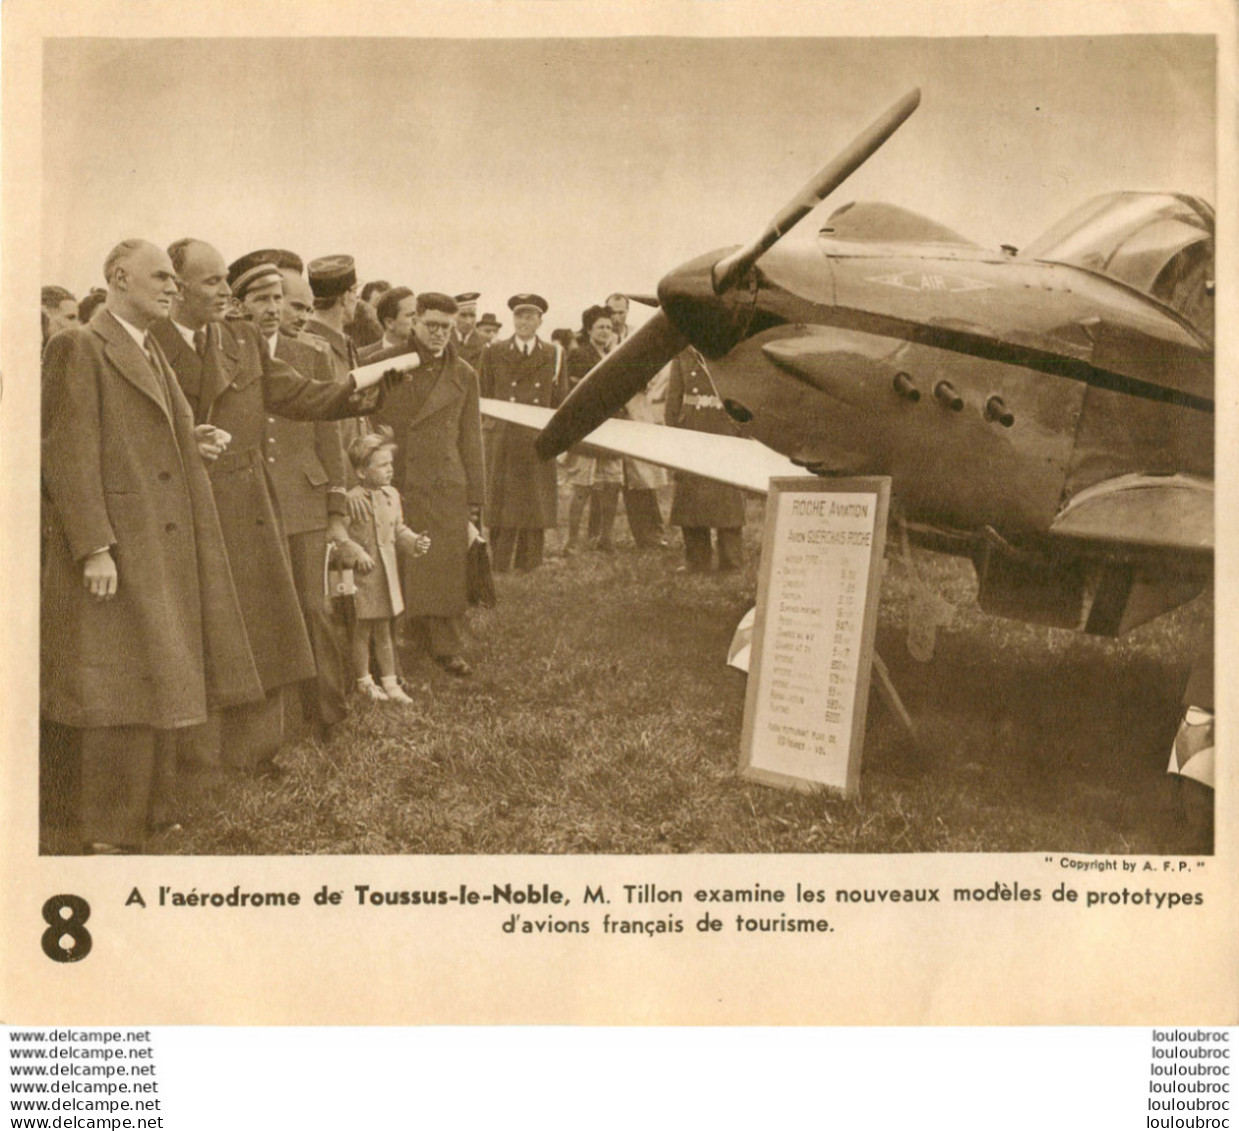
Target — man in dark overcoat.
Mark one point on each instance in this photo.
(306, 464)
(440, 474)
(701, 505)
(231, 381)
(141, 629)
(520, 487)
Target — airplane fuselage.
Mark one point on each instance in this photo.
(874, 362)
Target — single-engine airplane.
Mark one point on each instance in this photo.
(1047, 413)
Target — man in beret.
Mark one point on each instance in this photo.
(466, 341)
(231, 380)
(306, 463)
(396, 310)
(440, 475)
(141, 633)
(487, 328)
(520, 487)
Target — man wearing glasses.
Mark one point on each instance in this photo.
(439, 474)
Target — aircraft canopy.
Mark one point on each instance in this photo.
(1160, 244)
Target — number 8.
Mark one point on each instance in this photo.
(59, 926)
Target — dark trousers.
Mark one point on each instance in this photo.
(698, 552)
(604, 503)
(525, 544)
(645, 520)
(128, 776)
(251, 733)
(439, 636)
(241, 737)
(322, 697)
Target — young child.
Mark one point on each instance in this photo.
(380, 535)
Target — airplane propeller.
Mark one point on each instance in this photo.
(627, 370)
(611, 384)
(729, 271)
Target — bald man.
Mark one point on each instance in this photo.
(141, 630)
(298, 306)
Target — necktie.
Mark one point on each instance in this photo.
(148, 344)
(200, 340)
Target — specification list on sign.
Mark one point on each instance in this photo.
(811, 650)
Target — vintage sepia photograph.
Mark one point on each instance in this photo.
(409, 405)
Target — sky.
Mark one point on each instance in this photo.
(578, 167)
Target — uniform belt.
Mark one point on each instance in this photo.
(703, 400)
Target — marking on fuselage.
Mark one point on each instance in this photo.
(930, 281)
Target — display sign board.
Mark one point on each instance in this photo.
(817, 609)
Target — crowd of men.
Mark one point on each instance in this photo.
(196, 415)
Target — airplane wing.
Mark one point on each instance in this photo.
(1154, 511)
(725, 459)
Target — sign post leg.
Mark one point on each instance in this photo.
(891, 697)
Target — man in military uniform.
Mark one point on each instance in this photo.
(396, 311)
(306, 463)
(466, 341)
(520, 487)
(333, 282)
(701, 505)
(231, 381)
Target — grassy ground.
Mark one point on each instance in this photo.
(602, 719)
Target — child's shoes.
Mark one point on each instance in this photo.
(371, 690)
(392, 690)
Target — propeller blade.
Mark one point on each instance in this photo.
(644, 300)
(611, 384)
(729, 270)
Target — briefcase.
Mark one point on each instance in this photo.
(479, 581)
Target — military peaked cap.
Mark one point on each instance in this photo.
(535, 301)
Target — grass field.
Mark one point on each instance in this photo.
(603, 719)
